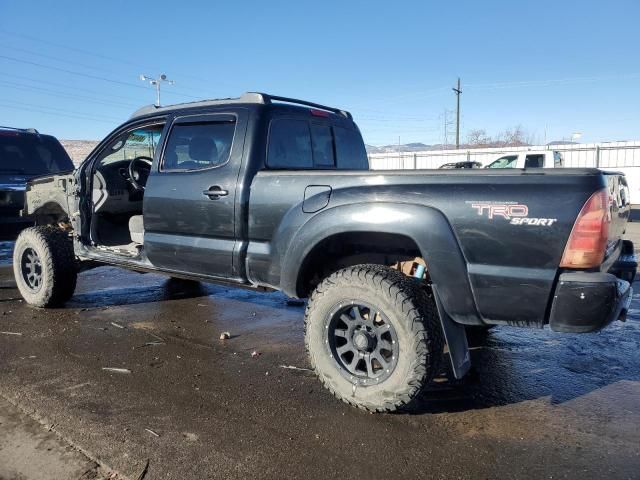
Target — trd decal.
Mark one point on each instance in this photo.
(515, 213)
(504, 211)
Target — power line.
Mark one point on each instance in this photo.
(59, 110)
(71, 87)
(86, 75)
(102, 56)
(51, 57)
(83, 65)
(551, 82)
(57, 93)
(80, 117)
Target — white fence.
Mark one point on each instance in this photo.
(618, 156)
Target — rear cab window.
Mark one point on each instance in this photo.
(289, 144)
(32, 154)
(298, 143)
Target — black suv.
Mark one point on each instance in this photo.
(24, 154)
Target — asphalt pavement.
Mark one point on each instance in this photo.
(132, 373)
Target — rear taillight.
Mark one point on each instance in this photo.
(588, 240)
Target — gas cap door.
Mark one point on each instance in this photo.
(316, 197)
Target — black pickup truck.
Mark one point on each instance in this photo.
(269, 192)
(24, 153)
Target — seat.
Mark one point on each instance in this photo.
(136, 229)
(203, 150)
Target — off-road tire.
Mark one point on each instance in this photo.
(412, 314)
(54, 248)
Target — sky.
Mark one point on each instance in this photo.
(71, 68)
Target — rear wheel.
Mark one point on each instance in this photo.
(44, 266)
(373, 337)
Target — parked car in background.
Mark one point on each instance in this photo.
(529, 159)
(25, 154)
(461, 165)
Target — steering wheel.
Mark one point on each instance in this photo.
(139, 178)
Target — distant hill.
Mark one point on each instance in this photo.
(78, 149)
(407, 147)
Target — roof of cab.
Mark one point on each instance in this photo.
(22, 130)
(246, 98)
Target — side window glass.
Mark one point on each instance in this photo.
(198, 145)
(141, 142)
(350, 149)
(289, 144)
(534, 161)
(505, 162)
(557, 160)
(322, 139)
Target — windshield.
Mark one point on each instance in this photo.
(504, 162)
(29, 154)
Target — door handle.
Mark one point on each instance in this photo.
(215, 192)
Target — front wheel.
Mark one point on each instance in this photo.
(373, 337)
(44, 266)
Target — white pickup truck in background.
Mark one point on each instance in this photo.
(529, 159)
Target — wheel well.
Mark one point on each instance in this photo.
(353, 248)
(50, 214)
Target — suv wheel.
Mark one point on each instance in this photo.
(44, 266)
(373, 337)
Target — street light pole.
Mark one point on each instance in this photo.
(156, 82)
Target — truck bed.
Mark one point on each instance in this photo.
(510, 265)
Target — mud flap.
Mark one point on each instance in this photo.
(456, 337)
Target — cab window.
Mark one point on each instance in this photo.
(198, 145)
(534, 161)
(301, 144)
(558, 162)
(509, 161)
(141, 142)
(350, 149)
(29, 154)
(289, 144)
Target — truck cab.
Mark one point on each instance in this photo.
(529, 159)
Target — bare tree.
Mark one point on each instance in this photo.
(513, 137)
(478, 138)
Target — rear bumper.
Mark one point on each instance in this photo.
(588, 301)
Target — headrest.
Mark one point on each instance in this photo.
(203, 149)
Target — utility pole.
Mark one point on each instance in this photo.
(448, 125)
(156, 82)
(457, 91)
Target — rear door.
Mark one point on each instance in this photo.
(190, 200)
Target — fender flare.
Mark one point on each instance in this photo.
(426, 226)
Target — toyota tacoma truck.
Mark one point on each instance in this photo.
(274, 193)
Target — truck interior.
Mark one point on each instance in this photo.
(121, 172)
(118, 181)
